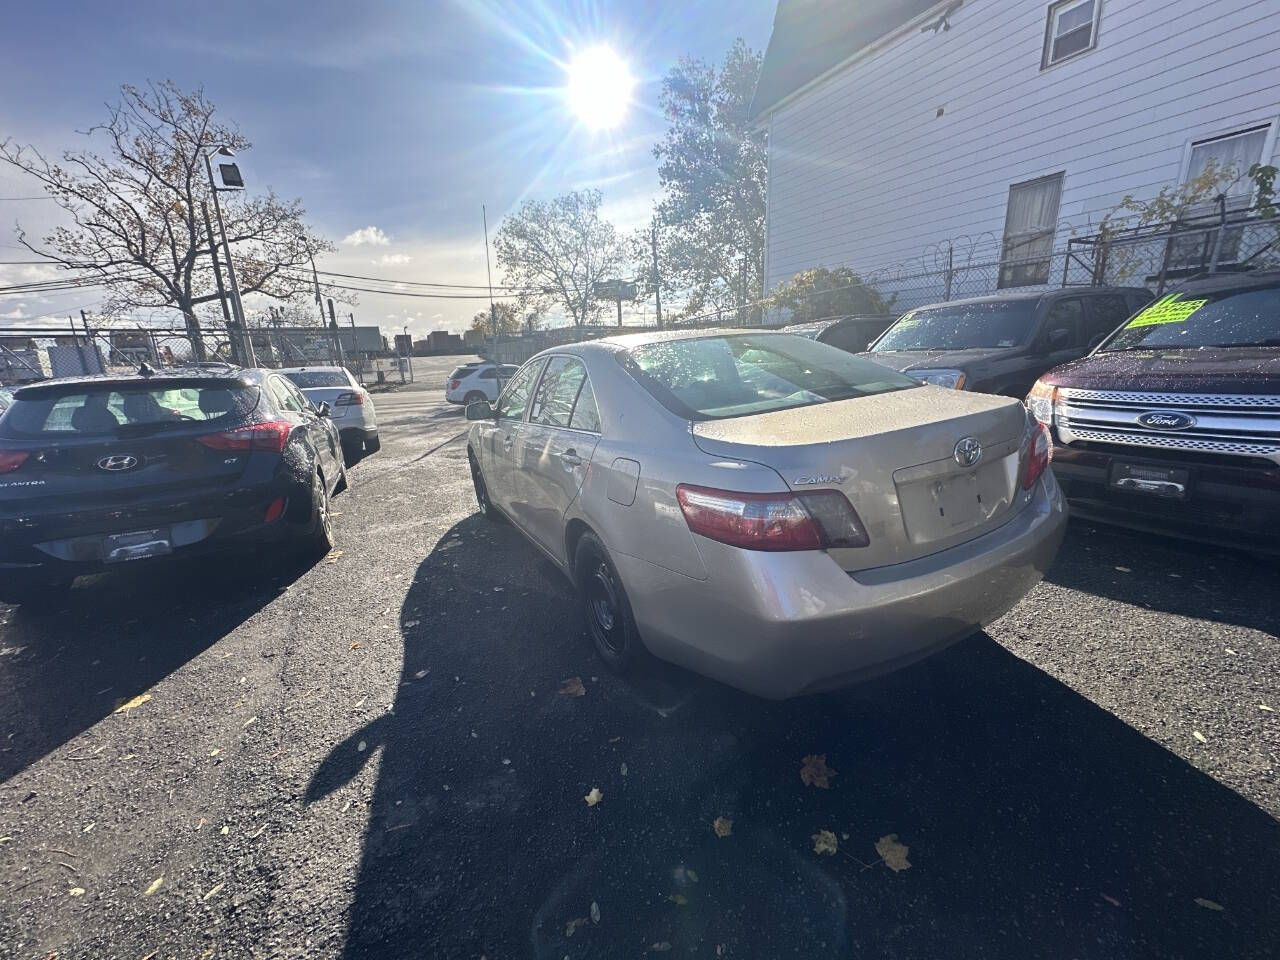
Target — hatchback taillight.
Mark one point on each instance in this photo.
(272, 435)
(1037, 451)
(11, 460)
(772, 521)
(349, 400)
(454, 384)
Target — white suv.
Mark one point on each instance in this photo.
(350, 407)
(477, 381)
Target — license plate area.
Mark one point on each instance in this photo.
(941, 506)
(1152, 480)
(136, 545)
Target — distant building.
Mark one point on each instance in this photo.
(404, 344)
(440, 341)
(473, 338)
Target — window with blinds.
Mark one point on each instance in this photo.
(1029, 226)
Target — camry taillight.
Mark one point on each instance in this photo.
(1037, 451)
(772, 521)
(272, 435)
(454, 384)
(349, 400)
(11, 460)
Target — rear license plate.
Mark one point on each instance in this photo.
(136, 545)
(1171, 483)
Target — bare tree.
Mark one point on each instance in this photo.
(557, 251)
(136, 209)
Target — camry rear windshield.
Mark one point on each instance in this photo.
(1189, 321)
(122, 411)
(962, 326)
(714, 378)
(307, 379)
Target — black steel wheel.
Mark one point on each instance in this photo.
(605, 607)
(487, 509)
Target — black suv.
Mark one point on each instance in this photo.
(852, 333)
(1002, 343)
(100, 471)
(1173, 424)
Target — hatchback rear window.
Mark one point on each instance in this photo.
(125, 411)
(463, 371)
(306, 379)
(713, 378)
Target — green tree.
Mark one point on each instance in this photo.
(819, 292)
(557, 251)
(133, 205)
(511, 321)
(712, 170)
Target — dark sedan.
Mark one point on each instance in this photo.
(96, 472)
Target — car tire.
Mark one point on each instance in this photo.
(372, 445)
(35, 594)
(475, 396)
(320, 536)
(342, 485)
(605, 607)
(483, 503)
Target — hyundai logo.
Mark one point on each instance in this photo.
(118, 462)
(968, 451)
(1160, 420)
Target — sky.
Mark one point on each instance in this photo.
(393, 122)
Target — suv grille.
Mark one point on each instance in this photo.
(1223, 424)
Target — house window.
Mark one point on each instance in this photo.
(1029, 226)
(1230, 156)
(1071, 31)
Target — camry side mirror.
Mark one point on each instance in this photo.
(480, 410)
(323, 409)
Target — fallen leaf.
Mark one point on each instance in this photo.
(1209, 904)
(623, 769)
(679, 899)
(1263, 706)
(595, 912)
(361, 747)
(1111, 900)
(1124, 569)
(79, 892)
(5, 839)
(693, 877)
(1230, 652)
(614, 739)
(594, 797)
(420, 674)
(572, 688)
(133, 704)
(410, 624)
(893, 853)
(355, 645)
(824, 841)
(213, 891)
(130, 756)
(89, 827)
(155, 885)
(814, 771)
(573, 925)
(215, 751)
(249, 722)
(224, 831)
(1199, 736)
(661, 947)
(332, 556)
(723, 826)
(201, 824)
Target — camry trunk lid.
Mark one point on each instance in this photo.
(900, 460)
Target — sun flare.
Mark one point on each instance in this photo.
(599, 87)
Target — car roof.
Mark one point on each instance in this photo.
(326, 368)
(1218, 282)
(629, 341)
(1020, 295)
(172, 375)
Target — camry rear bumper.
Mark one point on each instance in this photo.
(782, 624)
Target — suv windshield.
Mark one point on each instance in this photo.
(713, 378)
(123, 411)
(1188, 321)
(319, 378)
(961, 326)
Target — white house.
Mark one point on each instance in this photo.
(897, 128)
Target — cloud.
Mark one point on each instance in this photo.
(391, 259)
(371, 236)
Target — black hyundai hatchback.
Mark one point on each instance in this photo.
(97, 472)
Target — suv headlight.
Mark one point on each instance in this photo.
(951, 379)
(1040, 401)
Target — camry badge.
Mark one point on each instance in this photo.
(968, 451)
(820, 478)
(117, 462)
(1163, 420)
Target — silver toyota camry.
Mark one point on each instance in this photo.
(764, 509)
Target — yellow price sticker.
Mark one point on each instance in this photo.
(908, 320)
(1170, 309)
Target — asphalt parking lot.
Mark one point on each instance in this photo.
(383, 756)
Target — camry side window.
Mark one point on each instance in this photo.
(586, 416)
(553, 403)
(515, 399)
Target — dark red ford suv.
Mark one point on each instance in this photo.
(1172, 424)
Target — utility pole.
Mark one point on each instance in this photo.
(337, 339)
(493, 312)
(197, 341)
(246, 346)
(657, 281)
(742, 293)
(315, 278)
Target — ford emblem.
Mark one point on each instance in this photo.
(1162, 420)
(118, 462)
(968, 451)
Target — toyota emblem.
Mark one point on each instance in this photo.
(968, 451)
(118, 462)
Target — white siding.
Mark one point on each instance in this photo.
(862, 173)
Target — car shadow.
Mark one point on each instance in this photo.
(67, 666)
(1170, 575)
(1035, 823)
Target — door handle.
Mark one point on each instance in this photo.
(570, 458)
(507, 441)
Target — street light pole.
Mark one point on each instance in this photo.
(236, 306)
